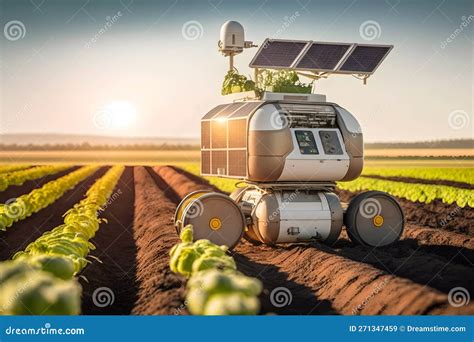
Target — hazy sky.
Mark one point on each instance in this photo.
(59, 68)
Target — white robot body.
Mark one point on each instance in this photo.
(289, 149)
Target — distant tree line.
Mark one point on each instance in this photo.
(458, 143)
(98, 147)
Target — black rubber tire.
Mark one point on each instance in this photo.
(250, 236)
(361, 230)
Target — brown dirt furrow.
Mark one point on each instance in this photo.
(349, 279)
(18, 236)
(424, 181)
(427, 242)
(159, 291)
(351, 287)
(433, 237)
(15, 191)
(304, 300)
(436, 214)
(456, 247)
(422, 264)
(116, 250)
(182, 182)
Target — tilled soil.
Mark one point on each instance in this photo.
(160, 291)
(15, 191)
(406, 278)
(413, 276)
(110, 286)
(134, 249)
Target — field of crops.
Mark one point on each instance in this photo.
(101, 240)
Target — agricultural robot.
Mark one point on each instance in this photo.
(288, 146)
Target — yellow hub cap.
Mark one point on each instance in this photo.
(378, 221)
(215, 224)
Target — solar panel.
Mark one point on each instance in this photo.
(214, 111)
(277, 53)
(342, 58)
(322, 56)
(364, 59)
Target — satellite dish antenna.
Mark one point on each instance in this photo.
(232, 41)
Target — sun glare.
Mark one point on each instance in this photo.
(121, 114)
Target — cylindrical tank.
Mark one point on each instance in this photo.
(284, 216)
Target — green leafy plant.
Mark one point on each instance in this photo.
(283, 81)
(223, 292)
(11, 168)
(23, 175)
(32, 202)
(463, 174)
(26, 289)
(71, 239)
(415, 192)
(40, 280)
(215, 287)
(188, 257)
(236, 83)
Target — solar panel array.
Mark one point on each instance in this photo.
(278, 53)
(320, 56)
(364, 58)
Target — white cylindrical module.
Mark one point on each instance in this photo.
(284, 216)
(232, 38)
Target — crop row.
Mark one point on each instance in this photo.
(32, 202)
(21, 176)
(11, 168)
(224, 184)
(415, 192)
(40, 280)
(464, 175)
(214, 287)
